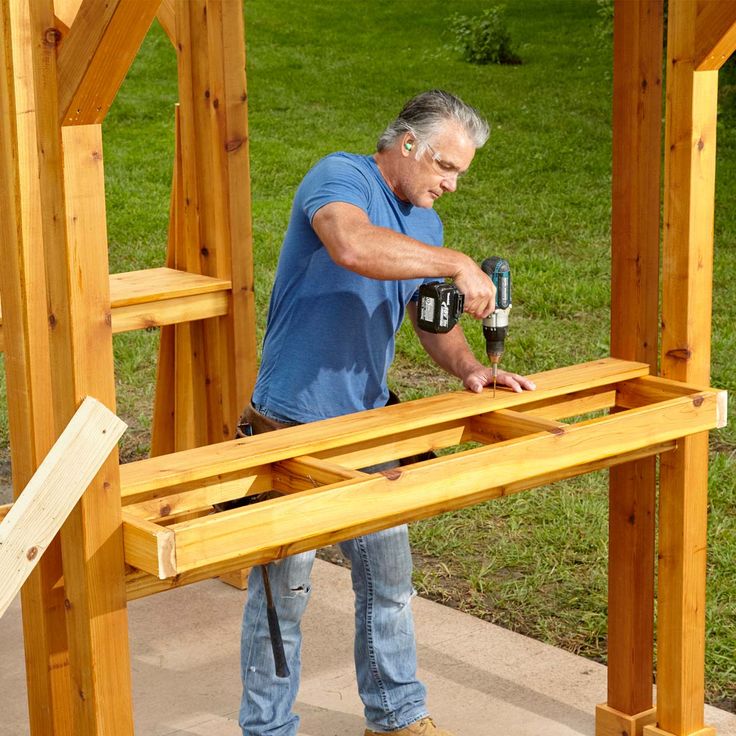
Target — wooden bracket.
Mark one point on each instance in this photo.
(611, 722)
(53, 491)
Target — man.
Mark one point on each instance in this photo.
(361, 239)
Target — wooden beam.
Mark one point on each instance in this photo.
(27, 362)
(81, 343)
(165, 17)
(690, 141)
(637, 130)
(96, 55)
(507, 424)
(196, 465)
(141, 584)
(52, 493)
(715, 34)
(271, 529)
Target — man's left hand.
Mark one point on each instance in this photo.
(481, 377)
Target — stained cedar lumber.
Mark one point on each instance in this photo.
(313, 518)
(141, 479)
(96, 55)
(635, 222)
(53, 491)
(165, 16)
(715, 34)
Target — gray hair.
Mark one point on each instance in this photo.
(424, 115)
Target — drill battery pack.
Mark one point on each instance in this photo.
(440, 306)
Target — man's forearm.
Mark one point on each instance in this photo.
(450, 351)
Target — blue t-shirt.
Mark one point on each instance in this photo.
(330, 332)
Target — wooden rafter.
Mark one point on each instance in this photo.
(715, 34)
(96, 55)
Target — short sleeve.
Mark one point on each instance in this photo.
(334, 179)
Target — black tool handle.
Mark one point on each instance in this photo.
(277, 643)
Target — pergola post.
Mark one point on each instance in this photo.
(701, 36)
(637, 113)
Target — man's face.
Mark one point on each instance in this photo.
(446, 157)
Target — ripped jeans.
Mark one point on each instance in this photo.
(385, 647)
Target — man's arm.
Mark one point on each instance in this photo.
(451, 352)
(353, 242)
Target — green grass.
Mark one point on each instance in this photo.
(329, 77)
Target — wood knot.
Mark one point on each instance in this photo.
(165, 510)
(32, 553)
(52, 321)
(698, 401)
(216, 103)
(701, 144)
(392, 473)
(557, 430)
(680, 354)
(52, 37)
(233, 145)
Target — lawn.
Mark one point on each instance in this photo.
(329, 77)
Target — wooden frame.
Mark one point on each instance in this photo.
(64, 61)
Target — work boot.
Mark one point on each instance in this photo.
(425, 727)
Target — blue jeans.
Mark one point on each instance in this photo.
(385, 647)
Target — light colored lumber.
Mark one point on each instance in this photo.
(715, 33)
(163, 439)
(400, 445)
(170, 311)
(573, 405)
(237, 578)
(27, 362)
(612, 722)
(506, 424)
(310, 519)
(81, 348)
(154, 474)
(159, 284)
(149, 546)
(201, 497)
(140, 584)
(304, 472)
(96, 55)
(162, 296)
(52, 492)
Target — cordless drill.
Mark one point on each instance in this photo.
(441, 304)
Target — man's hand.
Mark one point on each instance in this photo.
(481, 376)
(479, 290)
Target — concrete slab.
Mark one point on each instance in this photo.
(482, 680)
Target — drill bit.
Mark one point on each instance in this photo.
(494, 368)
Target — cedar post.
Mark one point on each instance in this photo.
(637, 112)
(28, 367)
(700, 37)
